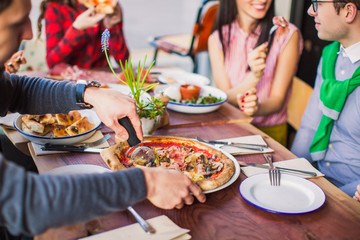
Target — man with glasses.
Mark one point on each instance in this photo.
(330, 131)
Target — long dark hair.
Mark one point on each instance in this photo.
(227, 13)
(43, 5)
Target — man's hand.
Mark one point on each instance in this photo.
(170, 189)
(88, 19)
(111, 106)
(248, 103)
(13, 64)
(256, 60)
(112, 19)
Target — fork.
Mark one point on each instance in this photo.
(274, 173)
(95, 143)
(144, 224)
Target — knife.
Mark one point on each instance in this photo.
(234, 144)
(280, 168)
(69, 148)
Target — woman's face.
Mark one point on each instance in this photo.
(255, 9)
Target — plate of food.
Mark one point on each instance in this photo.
(295, 195)
(64, 129)
(211, 168)
(189, 98)
(183, 78)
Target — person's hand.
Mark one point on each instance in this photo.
(256, 60)
(13, 64)
(248, 103)
(112, 19)
(88, 19)
(357, 193)
(111, 106)
(170, 189)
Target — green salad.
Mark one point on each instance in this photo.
(202, 100)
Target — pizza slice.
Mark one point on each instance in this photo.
(32, 125)
(101, 6)
(80, 126)
(47, 119)
(59, 130)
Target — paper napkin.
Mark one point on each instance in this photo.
(298, 163)
(165, 230)
(97, 135)
(253, 139)
(8, 120)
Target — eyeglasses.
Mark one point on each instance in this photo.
(315, 3)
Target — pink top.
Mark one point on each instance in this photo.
(236, 65)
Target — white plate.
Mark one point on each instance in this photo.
(236, 173)
(126, 90)
(295, 195)
(184, 78)
(173, 91)
(68, 140)
(78, 169)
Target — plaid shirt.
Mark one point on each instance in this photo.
(79, 47)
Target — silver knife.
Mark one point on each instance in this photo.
(69, 148)
(234, 144)
(280, 168)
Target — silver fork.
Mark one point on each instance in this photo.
(274, 173)
(95, 143)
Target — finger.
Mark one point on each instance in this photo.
(197, 192)
(188, 200)
(262, 47)
(179, 206)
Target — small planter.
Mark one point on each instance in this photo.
(149, 125)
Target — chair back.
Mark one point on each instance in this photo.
(300, 96)
(203, 26)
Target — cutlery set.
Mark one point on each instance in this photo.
(255, 147)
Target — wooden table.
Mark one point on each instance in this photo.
(225, 215)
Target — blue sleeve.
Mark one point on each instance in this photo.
(35, 95)
(31, 203)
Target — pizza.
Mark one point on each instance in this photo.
(206, 166)
(101, 6)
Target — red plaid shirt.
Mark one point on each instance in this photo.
(79, 47)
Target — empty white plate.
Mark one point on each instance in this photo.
(295, 195)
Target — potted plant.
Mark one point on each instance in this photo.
(150, 110)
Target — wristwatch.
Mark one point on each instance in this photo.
(81, 85)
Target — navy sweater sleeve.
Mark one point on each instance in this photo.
(31, 203)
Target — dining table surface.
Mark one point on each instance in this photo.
(225, 214)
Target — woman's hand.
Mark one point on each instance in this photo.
(111, 20)
(248, 103)
(13, 64)
(256, 60)
(88, 19)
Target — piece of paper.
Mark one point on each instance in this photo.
(253, 139)
(298, 163)
(165, 230)
(8, 120)
(97, 135)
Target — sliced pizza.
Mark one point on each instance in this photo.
(208, 167)
(80, 126)
(101, 6)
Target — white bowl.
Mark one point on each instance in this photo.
(184, 78)
(173, 91)
(68, 140)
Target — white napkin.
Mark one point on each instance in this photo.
(8, 120)
(165, 230)
(97, 135)
(298, 163)
(253, 139)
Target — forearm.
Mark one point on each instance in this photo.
(269, 106)
(36, 95)
(32, 203)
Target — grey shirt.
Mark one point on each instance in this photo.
(341, 164)
(31, 203)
